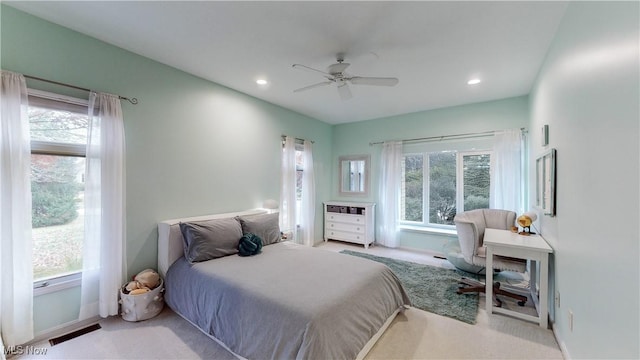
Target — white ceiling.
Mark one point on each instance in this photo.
(432, 47)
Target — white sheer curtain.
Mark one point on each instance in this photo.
(16, 247)
(390, 173)
(288, 187)
(506, 183)
(308, 206)
(104, 264)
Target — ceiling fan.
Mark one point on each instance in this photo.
(335, 75)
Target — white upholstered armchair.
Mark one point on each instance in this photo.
(470, 226)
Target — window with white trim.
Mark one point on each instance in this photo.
(438, 184)
(58, 127)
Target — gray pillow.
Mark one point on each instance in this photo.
(210, 239)
(266, 226)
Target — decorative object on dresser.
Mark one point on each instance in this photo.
(350, 221)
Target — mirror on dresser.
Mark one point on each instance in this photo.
(354, 175)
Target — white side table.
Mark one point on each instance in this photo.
(532, 247)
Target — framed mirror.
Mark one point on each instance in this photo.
(354, 175)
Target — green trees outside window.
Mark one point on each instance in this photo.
(452, 179)
(56, 183)
(477, 176)
(58, 139)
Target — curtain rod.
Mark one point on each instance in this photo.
(449, 137)
(134, 101)
(298, 139)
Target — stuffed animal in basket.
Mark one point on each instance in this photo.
(145, 281)
(141, 298)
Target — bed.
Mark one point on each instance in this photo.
(288, 302)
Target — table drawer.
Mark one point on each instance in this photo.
(356, 228)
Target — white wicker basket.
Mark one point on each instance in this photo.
(142, 306)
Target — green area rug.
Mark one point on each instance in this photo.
(431, 288)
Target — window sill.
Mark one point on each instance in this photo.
(429, 230)
(47, 286)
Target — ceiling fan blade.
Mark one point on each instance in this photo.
(324, 83)
(306, 68)
(344, 91)
(379, 81)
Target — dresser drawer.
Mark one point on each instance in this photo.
(344, 218)
(356, 228)
(346, 236)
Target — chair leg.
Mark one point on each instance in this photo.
(470, 282)
(470, 285)
(522, 300)
(468, 289)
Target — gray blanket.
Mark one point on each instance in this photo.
(290, 302)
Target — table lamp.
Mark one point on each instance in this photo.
(525, 220)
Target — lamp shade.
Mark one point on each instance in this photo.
(270, 204)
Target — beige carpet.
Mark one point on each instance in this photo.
(415, 334)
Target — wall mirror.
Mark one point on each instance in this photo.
(354, 175)
(546, 182)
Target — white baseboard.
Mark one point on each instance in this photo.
(561, 344)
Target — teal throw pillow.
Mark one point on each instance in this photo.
(250, 244)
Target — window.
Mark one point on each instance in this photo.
(475, 180)
(412, 188)
(58, 144)
(436, 185)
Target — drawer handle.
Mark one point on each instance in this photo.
(358, 237)
(332, 225)
(358, 219)
(358, 229)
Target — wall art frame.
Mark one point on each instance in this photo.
(546, 182)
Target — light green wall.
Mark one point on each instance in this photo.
(588, 93)
(193, 147)
(354, 138)
(55, 309)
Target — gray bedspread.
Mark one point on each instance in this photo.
(289, 302)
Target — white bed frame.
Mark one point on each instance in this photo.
(170, 241)
(170, 249)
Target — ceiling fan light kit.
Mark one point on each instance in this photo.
(335, 75)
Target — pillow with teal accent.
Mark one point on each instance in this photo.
(250, 244)
(266, 226)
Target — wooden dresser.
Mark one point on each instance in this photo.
(350, 221)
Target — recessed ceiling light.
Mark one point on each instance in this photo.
(473, 81)
(261, 82)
